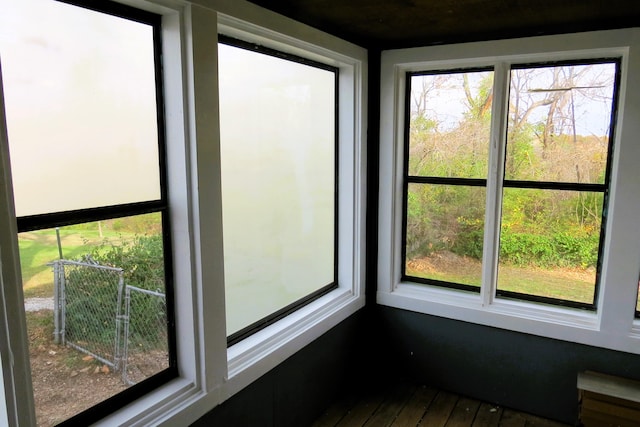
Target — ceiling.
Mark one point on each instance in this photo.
(385, 24)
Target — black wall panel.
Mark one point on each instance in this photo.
(296, 392)
(525, 372)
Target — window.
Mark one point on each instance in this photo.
(555, 170)
(506, 185)
(85, 124)
(447, 153)
(182, 189)
(556, 180)
(279, 184)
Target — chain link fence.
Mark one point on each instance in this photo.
(145, 346)
(87, 305)
(122, 326)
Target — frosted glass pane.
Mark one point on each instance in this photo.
(278, 181)
(81, 107)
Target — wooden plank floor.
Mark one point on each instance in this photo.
(411, 406)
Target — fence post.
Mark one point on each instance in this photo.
(119, 318)
(56, 302)
(125, 347)
(63, 304)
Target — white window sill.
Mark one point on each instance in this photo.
(151, 408)
(256, 355)
(526, 317)
(181, 402)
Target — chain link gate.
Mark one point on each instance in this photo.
(122, 326)
(87, 308)
(145, 341)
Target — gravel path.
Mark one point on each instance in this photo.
(35, 304)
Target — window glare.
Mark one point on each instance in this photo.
(80, 102)
(278, 180)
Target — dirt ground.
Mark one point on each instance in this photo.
(66, 381)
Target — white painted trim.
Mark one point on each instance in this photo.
(206, 191)
(256, 355)
(612, 326)
(493, 208)
(253, 357)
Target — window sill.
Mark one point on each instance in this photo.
(635, 330)
(155, 406)
(256, 355)
(181, 402)
(537, 319)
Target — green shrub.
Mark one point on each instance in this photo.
(141, 259)
(559, 249)
(469, 241)
(92, 293)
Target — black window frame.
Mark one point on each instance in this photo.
(161, 205)
(636, 313)
(272, 318)
(603, 188)
(437, 180)
(571, 186)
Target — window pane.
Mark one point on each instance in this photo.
(278, 182)
(559, 121)
(445, 228)
(549, 243)
(81, 107)
(110, 330)
(450, 118)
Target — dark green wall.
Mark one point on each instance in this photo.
(298, 390)
(520, 371)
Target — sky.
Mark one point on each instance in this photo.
(592, 106)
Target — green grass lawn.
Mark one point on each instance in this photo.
(561, 283)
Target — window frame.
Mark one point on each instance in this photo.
(611, 325)
(286, 310)
(499, 180)
(160, 206)
(209, 374)
(432, 180)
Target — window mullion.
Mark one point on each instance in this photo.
(206, 201)
(499, 111)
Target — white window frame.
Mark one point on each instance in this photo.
(209, 372)
(612, 325)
